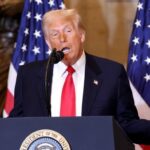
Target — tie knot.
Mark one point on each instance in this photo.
(70, 69)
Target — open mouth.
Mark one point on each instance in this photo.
(66, 50)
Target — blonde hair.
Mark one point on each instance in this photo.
(50, 16)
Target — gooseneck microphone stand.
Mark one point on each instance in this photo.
(54, 58)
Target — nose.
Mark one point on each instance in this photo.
(62, 37)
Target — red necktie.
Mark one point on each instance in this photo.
(68, 95)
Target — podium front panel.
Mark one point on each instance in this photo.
(82, 133)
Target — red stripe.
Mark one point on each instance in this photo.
(145, 147)
(9, 104)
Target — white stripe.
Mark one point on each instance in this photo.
(12, 79)
(5, 115)
(138, 147)
(142, 107)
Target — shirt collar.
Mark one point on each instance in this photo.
(78, 66)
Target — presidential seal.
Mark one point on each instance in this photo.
(45, 139)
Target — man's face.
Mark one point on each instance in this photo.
(64, 33)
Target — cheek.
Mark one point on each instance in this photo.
(76, 39)
(53, 43)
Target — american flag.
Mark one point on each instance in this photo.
(139, 60)
(30, 45)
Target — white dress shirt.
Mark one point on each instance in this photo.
(58, 79)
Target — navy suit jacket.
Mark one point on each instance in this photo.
(106, 93)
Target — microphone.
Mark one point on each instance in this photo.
(54, 58)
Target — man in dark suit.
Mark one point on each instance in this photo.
(101, 85)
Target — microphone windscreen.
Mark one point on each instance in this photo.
(56, 56)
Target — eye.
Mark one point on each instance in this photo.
(54, 34)
(68, 30)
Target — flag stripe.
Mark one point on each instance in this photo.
(12, 77)
(9, 104)
(145, 147)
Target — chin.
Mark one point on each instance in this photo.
(68, 61)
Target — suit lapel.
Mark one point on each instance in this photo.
(92, 84)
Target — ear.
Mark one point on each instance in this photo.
(82, 36)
